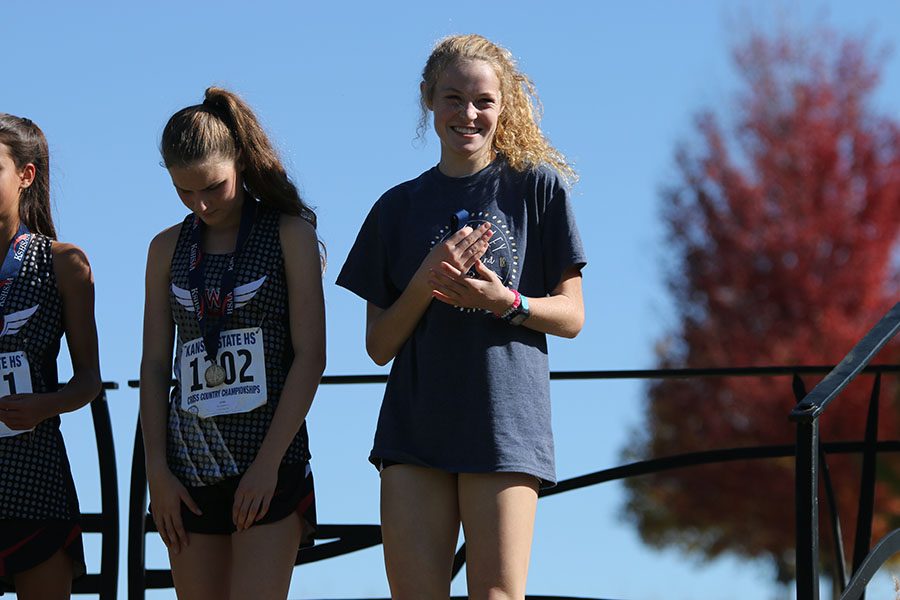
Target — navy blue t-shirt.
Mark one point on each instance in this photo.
(468, 393)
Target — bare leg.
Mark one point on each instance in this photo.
(262, 559)
(201, 569)
(497, 511)
(420, 526)
(50, 580)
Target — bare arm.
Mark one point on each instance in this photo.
(76, 288)
(156, 358)
(306, 302)
(562, 312)
(166, 492)
(303, 272)
(388, 329)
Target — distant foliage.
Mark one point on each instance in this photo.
(783, 228)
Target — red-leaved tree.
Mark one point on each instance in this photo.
(783, 227)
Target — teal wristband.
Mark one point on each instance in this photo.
(509, 311)
(519, 313)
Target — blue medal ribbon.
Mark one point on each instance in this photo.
(458, 220)
(12, 264)
(197, 281)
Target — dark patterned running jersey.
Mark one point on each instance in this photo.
(205, 451)
(35, 478)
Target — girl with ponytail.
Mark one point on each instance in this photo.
(46, 290)
(236, 288)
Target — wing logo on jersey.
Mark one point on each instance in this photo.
(243, 294)
(11, 324)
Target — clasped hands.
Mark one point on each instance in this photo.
(448, 264)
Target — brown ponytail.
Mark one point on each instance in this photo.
(223, 125)
(27, 145)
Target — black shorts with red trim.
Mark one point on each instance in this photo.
(294, 493)
(25, 544)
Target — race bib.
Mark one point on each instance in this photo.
(15, 378)
(242, 357)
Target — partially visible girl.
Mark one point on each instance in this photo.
(237, 288)
(465, 269)
(46, 290)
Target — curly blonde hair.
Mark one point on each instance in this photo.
(518, 136)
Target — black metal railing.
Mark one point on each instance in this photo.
(105, 583)
(810, 453)
(350, 539)
(808, 463)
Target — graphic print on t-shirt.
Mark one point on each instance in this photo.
(243, 294)
(501, 257)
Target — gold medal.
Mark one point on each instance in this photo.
(215, 376)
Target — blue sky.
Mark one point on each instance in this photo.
(335, 84)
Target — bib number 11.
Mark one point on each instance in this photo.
(15, 378)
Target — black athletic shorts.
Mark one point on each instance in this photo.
(24, 544)
(294, 492)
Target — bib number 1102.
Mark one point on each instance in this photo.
(236, 368)
(239, 387)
